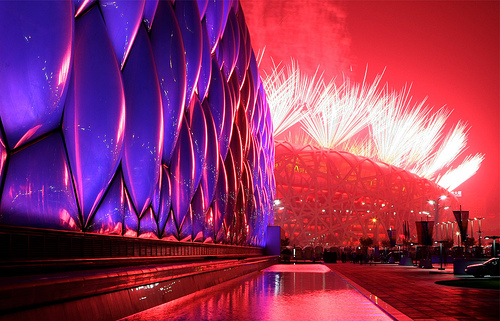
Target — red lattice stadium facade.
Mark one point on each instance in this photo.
(333, 198)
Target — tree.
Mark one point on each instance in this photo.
(469, 241)
(366, 241)
(386, 243)
(448, 244)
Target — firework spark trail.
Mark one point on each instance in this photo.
(346, 112)
(454, 177)
(318, 129)
(395, 131)
(282, 100)
(452, 146)
(426, 141)
(260, 55)
(289, 95)
(364, 103)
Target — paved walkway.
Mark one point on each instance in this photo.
(411, 293)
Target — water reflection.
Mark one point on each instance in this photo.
(272, 295)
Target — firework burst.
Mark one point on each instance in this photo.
(401, 132)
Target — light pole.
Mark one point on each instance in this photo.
(416, 251)
(441, 252)
(471, 220)
(448, 230)
(479, 222)
(451, 236)
(440, 226)
(493, 249)
(436, 211)
(375, 230)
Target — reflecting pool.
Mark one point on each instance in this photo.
(281, 292)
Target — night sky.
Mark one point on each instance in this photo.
(447, 50)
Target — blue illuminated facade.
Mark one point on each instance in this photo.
(134, 118)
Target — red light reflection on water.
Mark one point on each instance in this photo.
(272, 296)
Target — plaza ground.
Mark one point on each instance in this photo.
(407, 292)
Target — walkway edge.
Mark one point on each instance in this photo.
(79, 299)
(388, 309)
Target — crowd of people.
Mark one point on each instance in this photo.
(331, 255)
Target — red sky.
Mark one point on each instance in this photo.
(447, 50)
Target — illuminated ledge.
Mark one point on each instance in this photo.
(114, 293)
(42, 250)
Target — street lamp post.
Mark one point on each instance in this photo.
(479, 219)
(471, 220)
(494, 238)
(441, 252)
(416, 250)
(436, 211)
(447, 235)
(375, 230)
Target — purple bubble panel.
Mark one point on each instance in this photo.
(143, 141)
(147, 225)
(188, 18)
(123, 19)
(109, 216)
(165, 200)
(38, 189)
(168, 51)
(198, 130)
(149, 12)
(182, 174)
(219, 204)
(211, 169)
(94, 117)
(36, 53)
(214, 18)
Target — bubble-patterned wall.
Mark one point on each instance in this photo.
(138, 118)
